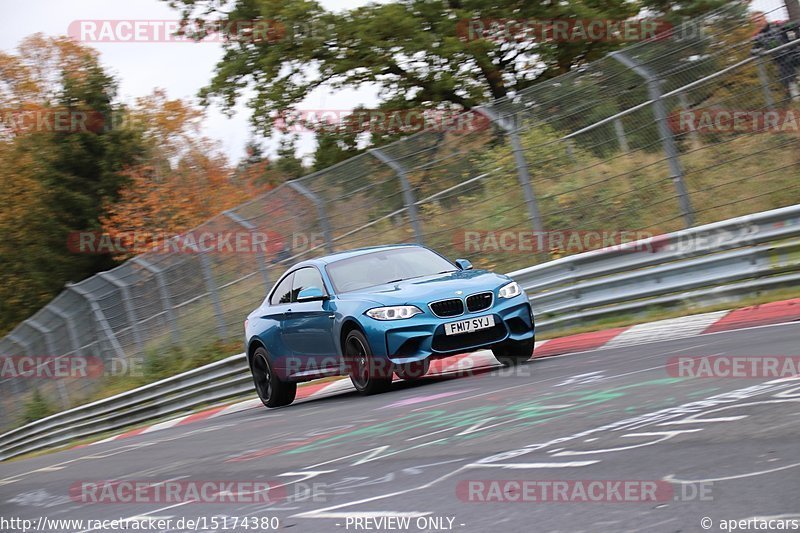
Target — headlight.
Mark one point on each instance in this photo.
(396, 312)
(510, 290)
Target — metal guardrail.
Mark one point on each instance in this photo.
(205, 385)
(727, 258)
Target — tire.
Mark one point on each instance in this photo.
(272, 391)
(513, 353)
(367, 376)
(415, 370)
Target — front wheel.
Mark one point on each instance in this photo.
(272, 391)
(367, 375)
(513, 353)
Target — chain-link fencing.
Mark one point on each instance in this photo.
(692, 127)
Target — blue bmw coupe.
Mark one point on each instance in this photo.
(374, 312)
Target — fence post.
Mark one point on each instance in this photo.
(15, 339)
(692, 131)
(128, 303)
(621, 138)
(99, 317)
(166, 302)
(569, 148)
(260, 257)
(667, 140)
(523, 174)
(51, 347)
(70, 323)
(319, 204)
(211, 288)
(764, 80)
(408, 194)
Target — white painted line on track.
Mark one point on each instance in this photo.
(145, 515)
(672, 479)
(674, 328)
(162, 425)
(239, 406)
(522, 466)
(374, 514)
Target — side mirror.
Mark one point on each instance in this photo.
(311, 294)
(464, 264)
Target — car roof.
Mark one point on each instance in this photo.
(327, 259)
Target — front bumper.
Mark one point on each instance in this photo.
(422, 337)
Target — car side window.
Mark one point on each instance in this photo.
(283, 292)
(306, 278)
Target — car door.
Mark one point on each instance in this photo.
(271, 321)
(307, 327)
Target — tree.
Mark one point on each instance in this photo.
(416, 51)
(254, 167)
(32, 249)
(185, 181)
(54, 180)
(287, 164)
(334, 146)
(677, 10)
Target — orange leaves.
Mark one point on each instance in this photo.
(171, 124)
(175, 201)
(186, 181)
(33, 75)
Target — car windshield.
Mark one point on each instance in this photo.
(385, 266)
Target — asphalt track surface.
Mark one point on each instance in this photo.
(728, 448)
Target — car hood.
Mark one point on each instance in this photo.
(429, 288)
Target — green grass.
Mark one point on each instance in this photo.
(158, 364)
(37, 406)
(165, 363)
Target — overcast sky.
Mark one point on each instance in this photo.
(179, 68)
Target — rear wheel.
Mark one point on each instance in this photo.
(367, 375)
(272, 391)
(513, 353)
(414, 370)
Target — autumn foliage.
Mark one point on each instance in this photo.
(186, 180)
(140, 167)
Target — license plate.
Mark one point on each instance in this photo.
(469, 325)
